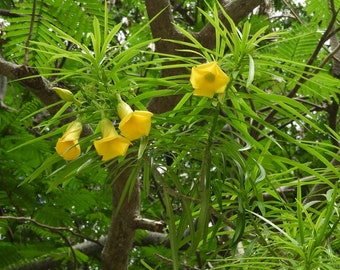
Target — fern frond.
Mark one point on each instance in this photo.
(298, 45)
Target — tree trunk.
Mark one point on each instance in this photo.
(115, 255)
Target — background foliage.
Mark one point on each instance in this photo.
(231, 177)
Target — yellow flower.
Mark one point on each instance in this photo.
(133, 124)
(208, 79)
(67, 146)
(111, 145)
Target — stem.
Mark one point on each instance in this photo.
(204, 185)
(172, 232)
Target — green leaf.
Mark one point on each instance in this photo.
(251, 73)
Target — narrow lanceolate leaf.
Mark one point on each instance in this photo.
(251, 73)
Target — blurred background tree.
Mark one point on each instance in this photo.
(240, 181)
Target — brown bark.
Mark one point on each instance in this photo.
(237, 10)
(162, 27)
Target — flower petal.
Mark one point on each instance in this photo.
(136, 125)
(107, 128)
(73, 131)
(68, 150)
(203, 92)
(123, 109)
(111, 147)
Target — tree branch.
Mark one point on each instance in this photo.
(30, 79)
(237, 11)
(147, 224)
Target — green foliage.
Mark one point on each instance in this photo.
(216, 171)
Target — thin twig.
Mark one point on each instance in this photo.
(27, 44)
(292, 11)
(314, 109)
(50, 228)
(74, 256)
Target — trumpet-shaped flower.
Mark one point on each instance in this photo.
(111, 145)
(133, 124)
(208, 79)
(67, 146)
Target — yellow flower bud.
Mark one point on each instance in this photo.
(66, 95)
(67, 146)
(208, 79)
(111, 145)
